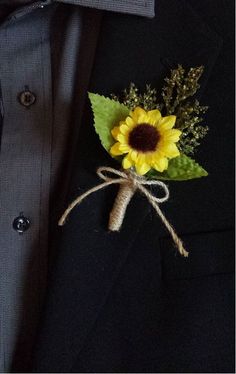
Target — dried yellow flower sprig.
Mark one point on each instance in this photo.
(175, 98)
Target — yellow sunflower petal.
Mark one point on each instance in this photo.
(123, 139)
(161, 164)
(142, 168)
(127, 162)
(153, 116)
(166, 123)
(124, 148)
(172, 135)
(170, 150)
(115, 132)
(134, 155)
(150, 157)
(139, 115)
(124, 129)
(129, 122)
(123, 122)
(137, 112)
(115, 150)
(141, 158)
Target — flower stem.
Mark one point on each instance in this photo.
(125, 194)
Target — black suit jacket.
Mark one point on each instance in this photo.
(126, 302)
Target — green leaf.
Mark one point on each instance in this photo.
(107, 114)
(180, 168)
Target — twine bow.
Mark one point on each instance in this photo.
(129, 183)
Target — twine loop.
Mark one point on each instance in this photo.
(129, 183)
(134, 180)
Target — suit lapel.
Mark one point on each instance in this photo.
(89, 257)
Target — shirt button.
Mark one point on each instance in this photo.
(27, 98)
(21, 224)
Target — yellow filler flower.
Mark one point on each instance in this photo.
(147, 139)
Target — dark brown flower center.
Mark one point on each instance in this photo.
(144, 138)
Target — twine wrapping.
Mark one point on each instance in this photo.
(129, 183)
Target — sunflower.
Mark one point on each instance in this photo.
(147, 139)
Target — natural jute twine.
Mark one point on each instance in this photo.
(129, 183)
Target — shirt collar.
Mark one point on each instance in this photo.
(137, 7)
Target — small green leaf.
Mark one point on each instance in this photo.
(107, 114)
(180, 168)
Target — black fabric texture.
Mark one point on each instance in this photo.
(127, 302)
(8, 6)
(1, 113)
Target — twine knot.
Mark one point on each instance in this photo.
(129, 183)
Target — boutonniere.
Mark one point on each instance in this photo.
(154, 140)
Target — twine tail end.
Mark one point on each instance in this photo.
(184, 253)
(61, 221)
(181, 249)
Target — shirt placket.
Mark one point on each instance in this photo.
(25, 166)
